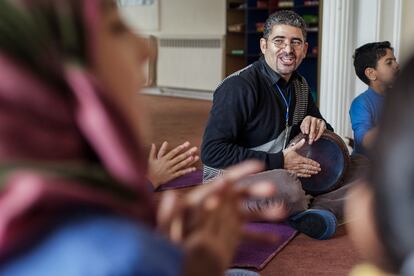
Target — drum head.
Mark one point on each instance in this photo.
(332, 154)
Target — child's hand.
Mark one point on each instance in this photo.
(165, 165)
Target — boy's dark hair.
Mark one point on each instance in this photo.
(367, 56)
(284, 17)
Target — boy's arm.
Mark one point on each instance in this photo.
(362, 124)
(369, 137)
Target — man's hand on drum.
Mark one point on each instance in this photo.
(313, 127)
(297, 164)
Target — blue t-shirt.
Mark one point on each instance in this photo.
(365, 114)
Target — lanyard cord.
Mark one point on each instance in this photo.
(287, 103)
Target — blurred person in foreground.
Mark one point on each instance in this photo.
(382, 208)
(73, 199)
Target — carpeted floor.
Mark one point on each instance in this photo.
(178, 120)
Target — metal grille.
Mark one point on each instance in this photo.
(190, 43)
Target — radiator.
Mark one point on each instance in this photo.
(190, 62)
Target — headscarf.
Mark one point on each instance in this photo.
(64, 146)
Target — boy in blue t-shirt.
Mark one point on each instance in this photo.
(376, 65)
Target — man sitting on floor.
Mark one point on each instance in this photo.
(376, 65)
(258, 109)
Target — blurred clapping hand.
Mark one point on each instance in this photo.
(208, 221)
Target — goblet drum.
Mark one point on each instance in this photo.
(332, 154)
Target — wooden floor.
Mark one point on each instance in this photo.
(178, 120)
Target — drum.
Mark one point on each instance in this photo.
(332, 154)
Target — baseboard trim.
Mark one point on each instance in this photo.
(180, 93)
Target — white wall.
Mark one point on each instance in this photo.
(181, 20)
(198, 17)
(390, 23)
(185, 17)
(407, 30)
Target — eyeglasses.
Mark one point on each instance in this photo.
(280, 43)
